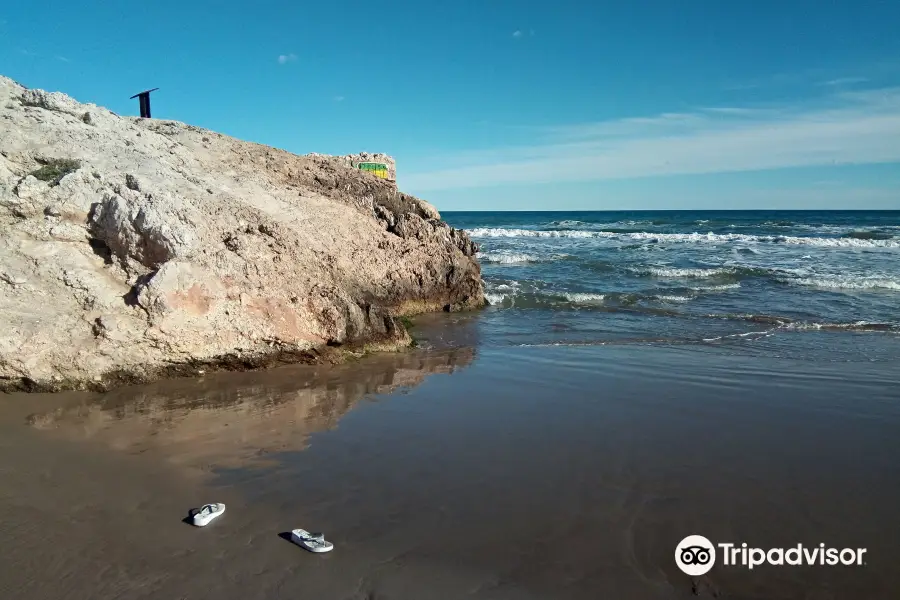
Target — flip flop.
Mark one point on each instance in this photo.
(207, 513)
(314, 542)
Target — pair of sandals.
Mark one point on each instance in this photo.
(314, 542)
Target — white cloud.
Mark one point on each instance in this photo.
(286, 58)
(847, 128)
(62, 58)
(517, 33)
(338, 98)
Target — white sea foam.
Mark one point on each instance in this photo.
(507, 258)
(858, 326)
(709, 238)
(495, 298)
(848, 283)
(488, 232)
(676, 272)
(583, 298)
(717, 288)
(514, 258)
(674, 298)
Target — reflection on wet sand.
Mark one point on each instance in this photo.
(235, 419)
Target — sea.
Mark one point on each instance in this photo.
(755, 279)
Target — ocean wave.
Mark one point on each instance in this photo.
(504, 287)
(717, 288)
(673, 298)
(584, 298)
(483, 232)
(728, 272)
(855, 326)
(789, 324)
(699, 238)
(868, 235)
(569, 223)
(515, 258)
(682, 273)
(746, 334)
(847, 283)
(495, 298)
(575, 224)
(515, 298)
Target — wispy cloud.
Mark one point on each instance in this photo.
(62, 59)
(338, 98)
(286, 58)
(845, 128)
(517, 33)
(844, 81)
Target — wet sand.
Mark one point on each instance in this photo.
(506, 473)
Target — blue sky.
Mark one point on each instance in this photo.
(514, 105)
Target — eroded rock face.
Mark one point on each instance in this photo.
(136, 248)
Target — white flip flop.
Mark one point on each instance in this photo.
(314, 542)
(207, 513)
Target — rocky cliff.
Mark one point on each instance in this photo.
(133, 249)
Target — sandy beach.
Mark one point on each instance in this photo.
(504, 473)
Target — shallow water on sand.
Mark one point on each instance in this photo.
(485, 471)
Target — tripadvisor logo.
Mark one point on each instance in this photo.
(695, 555)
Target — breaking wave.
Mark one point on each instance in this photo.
(584, 298)
(681, 273)
(515, 258)
(673, 298)
(856, 326)
(717, 288)
(789, 324)
(699, 238)
(848, 283)
(505, 296)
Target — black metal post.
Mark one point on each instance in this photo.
(144, 100)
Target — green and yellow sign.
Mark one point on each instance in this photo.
(377, 169)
